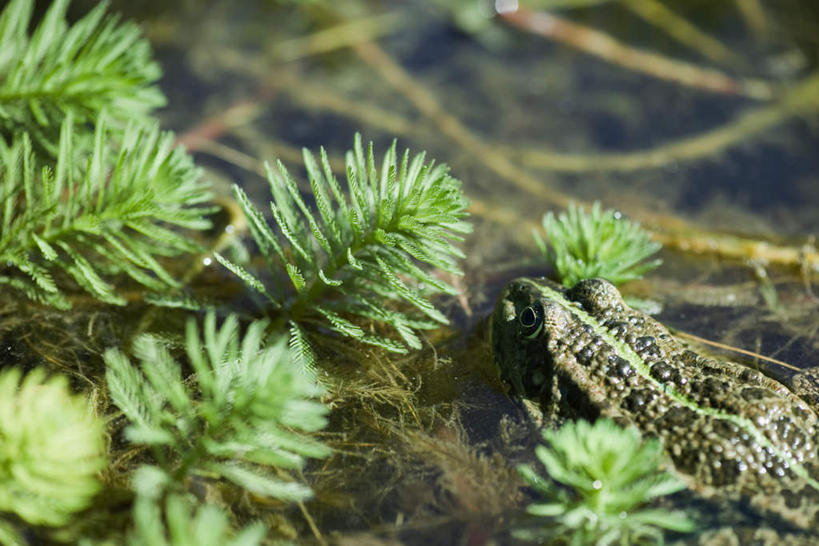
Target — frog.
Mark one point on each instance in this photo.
(730, 432)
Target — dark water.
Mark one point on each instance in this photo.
(511, 96)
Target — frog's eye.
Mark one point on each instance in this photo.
(531, 320)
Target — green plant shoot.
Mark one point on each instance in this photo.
(51, 449)
(91, 225)
(364, 255)
(175, 520)
(97, 64)
(242, 417)
(600, 477)
(582, 245)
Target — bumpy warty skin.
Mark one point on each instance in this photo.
(731, 431)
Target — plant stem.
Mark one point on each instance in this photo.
(317, 287)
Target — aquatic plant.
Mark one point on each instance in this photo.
(241, 417)
(51, 448)
(96, 64)
(92, 221)
(207, 525)
(361, 252)
(89, 187)
(600, 477)
(598, 244)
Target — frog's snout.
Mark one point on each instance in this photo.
(508, 311)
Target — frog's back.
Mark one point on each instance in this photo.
(729, 429)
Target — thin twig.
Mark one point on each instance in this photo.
(451, 126)
(681, 30)
(232, 156)
(566, 4)
(289, 81)
(754, 15)
(323, 41)
(240, 113)
(261, 145)
(802, 98)
(729, 246)
(365, 113)
(337, 37)
(312, 524)
(731, 348)
(602, 45)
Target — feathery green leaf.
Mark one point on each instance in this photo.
(51, 449)
(600, 243)
(97, 64)
(112, 218)
(380, 242)
(600, 478)
(184, 523)
(247, 408)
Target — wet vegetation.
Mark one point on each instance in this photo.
(599, 243)
(609, 472)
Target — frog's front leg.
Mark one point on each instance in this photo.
(543, 410)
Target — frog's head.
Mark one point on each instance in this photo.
(524, 321)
